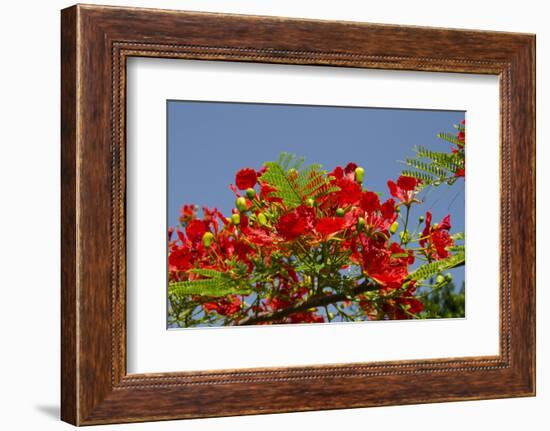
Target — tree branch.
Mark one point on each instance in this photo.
(312, 302)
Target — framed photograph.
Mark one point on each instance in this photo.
(323, 214)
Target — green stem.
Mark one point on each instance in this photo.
(406, 225)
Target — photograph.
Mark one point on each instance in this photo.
(307, 214)
(329, 209)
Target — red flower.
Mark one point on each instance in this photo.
(350, 192)
(337, 173)
(246, 178)
(436, 239)
(179, 259)
(298, 222)
(349, 171)
(257, 236)
(378, 217)
(404, 190)
(243, 250)
(266, 191)
(381, 266)
(370, 201)
(329, 225)
(188, 213)
(224, 306)
(306, 317)
(195, 230)
(460, 172)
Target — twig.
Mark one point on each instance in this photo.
(312, 302)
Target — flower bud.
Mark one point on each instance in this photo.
(310, 202)
(397, 209)
(359, 174)
(207, 239)
(236, 219)
(448, 276)
(440, 279)
(394, 227)
(240, 203)
(251, 193)
(421, 219)
(340, 212)
(262, 219)
(361, 223)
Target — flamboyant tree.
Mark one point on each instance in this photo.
(303, 245)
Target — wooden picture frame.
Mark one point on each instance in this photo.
(95, 43)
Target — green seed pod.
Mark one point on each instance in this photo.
(240, 203)
(262, 219)
(440, 279)
(394, 227)
(236, 219)
(340, 212)
(361, 223)
(421, 219)
(359, 174)
(448, 276)
(310, 202)
(207, 239)
(397, 209)
(251, 193)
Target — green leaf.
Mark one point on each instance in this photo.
(285, 189)
(294, 188)
(210, 273)
(207, 287)
(216, 284)
(430, 269)
(424, 177)
(430, 168)
(450, 138)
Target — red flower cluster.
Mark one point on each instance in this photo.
(459, 149)
(246, 178)
(404, 190)
(304, 245)
(304, 239)
(436, 238)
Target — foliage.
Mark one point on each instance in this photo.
(304, 245)
(446, 302)
(435, 168)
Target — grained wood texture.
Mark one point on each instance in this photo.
(96, 41)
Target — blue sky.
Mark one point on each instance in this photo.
(209, 141)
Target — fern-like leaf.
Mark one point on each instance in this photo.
(293, 186)
(449, 137)
(285, 189)
(207, 287)
(210, 273)
(216, 284)
(428, 167)
(430, 269)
